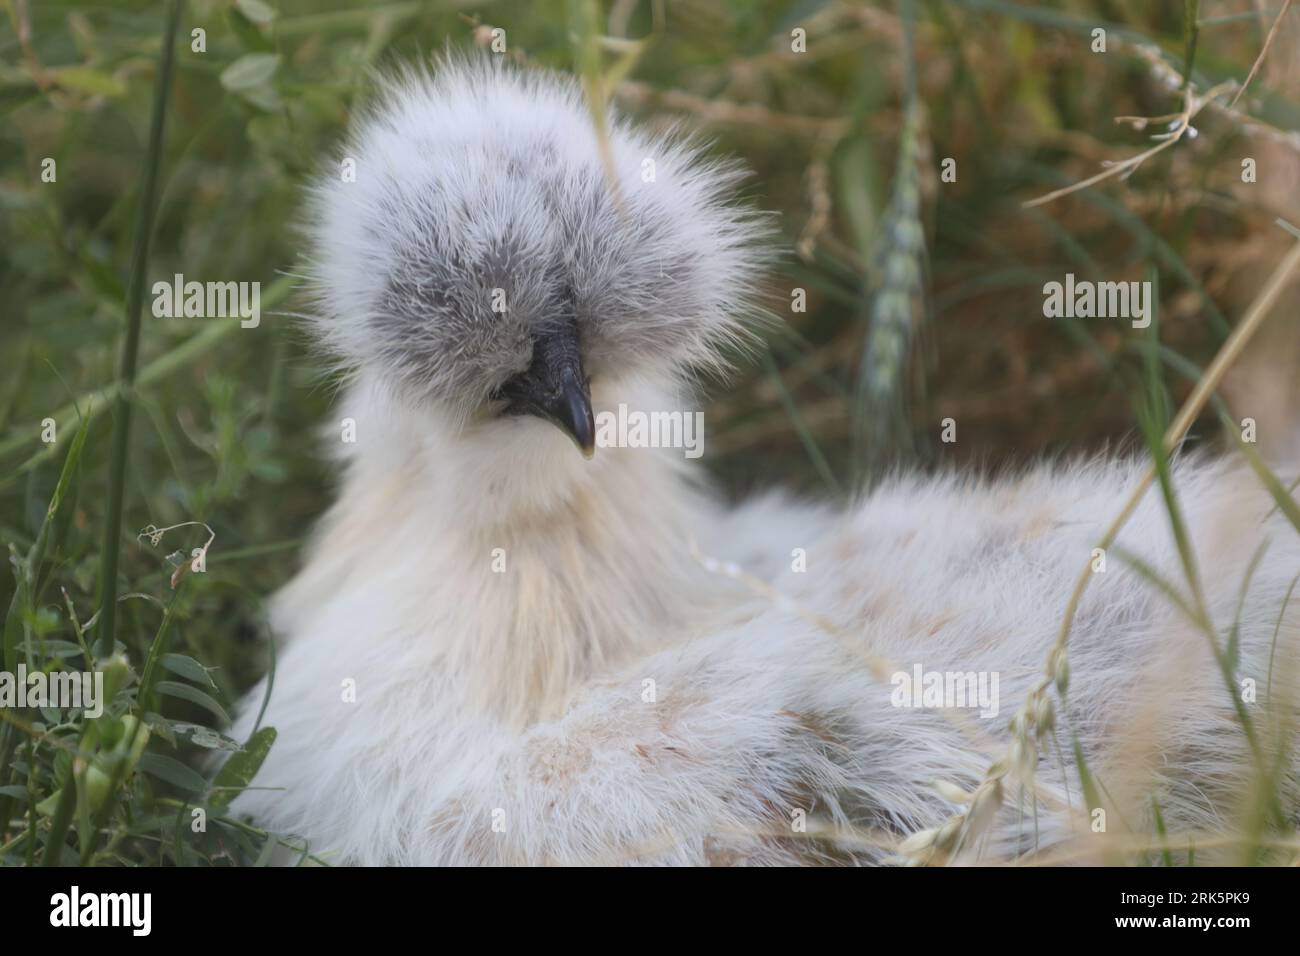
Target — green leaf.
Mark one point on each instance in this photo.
(1233, 650)
(854, 164)
(250, 71)
(1285, 503)
(32, 580)
(1277, 628)
(174, 772)
(82, 79)
(188, 668)
(157, 649)
(251, 36)
(238, 772)
(255, 10)
(65, 650)
(800, 425)
(267, 855)
(264, 97)
(194, 696)
(1091, 795)
(201, 736)
(1162, 584)
(1152, 428)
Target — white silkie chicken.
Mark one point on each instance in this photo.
(501, 650)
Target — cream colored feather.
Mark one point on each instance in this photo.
(498, 651)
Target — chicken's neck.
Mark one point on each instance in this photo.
(518, 569)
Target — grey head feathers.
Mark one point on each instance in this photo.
(480, 215)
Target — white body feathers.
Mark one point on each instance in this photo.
(545, 673)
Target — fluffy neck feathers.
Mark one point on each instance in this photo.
(508, 568)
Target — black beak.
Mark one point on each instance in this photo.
(554, 386)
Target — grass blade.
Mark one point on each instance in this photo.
(131, 342)
(238, 772)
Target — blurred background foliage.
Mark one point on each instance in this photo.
(923, 296)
